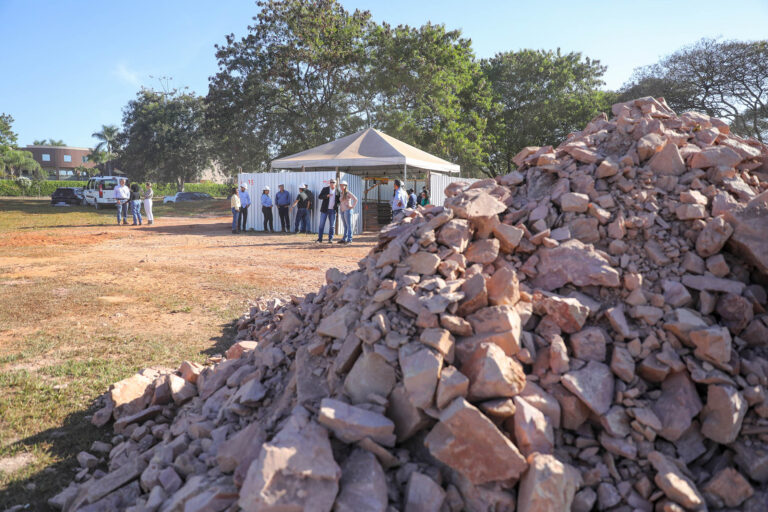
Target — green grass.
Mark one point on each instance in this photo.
(29, 214)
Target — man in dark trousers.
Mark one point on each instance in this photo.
(303, 204)
(328, 207)
(245, 202)
(283, 202)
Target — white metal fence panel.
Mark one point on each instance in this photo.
(291, 180)
(356, 186)
(437, 184)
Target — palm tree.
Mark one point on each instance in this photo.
(107, 137)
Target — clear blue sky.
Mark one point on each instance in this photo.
(70, 66)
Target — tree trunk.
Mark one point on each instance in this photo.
(180, 184)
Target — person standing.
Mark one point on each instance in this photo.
(302, 205)
(399, 199)
(347, 203)
(412, 199)
(122, 196)
(329, 206)
(148, 195)
(245, 202)
(234, 203)
(424, 199)
(283, 202)
(136, 204)
(266, 209)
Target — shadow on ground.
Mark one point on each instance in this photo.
(75, 434)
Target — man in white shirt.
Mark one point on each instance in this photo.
(122, 194)
(399, 199)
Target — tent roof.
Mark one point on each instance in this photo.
(368, 148)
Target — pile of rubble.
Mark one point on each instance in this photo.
(587, 332)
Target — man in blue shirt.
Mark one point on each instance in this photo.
(245, 202)
(399, 200)
(283, 201)
(266, 209)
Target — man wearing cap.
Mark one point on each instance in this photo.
(245, 202)
(399, 200)
(266, 209)
(328, 207)
(303, 204)
(283, 201)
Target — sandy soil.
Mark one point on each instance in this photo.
(179, 276)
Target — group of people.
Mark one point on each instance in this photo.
(133, 197)
(333, 202)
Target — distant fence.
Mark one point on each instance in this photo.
(14, 188)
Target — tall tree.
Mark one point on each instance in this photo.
(107, 138)
(427, 89)
(12, 160)
(163, 137)
(726, 79)
(541, 97)
(289, 84)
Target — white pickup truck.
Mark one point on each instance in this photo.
(100, 190)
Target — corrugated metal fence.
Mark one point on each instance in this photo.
(437, 184)
(291, 181)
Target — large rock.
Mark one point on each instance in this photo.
(678, 404)
(593, 384)
(455, 234)
(363, 485)
(422, 494)
(715, 156)
(533, 430)
(408, 418)
(371, 374)
(668, 161)
(421, 371)
(509, 237)
(548, 485)
(730, 487)
(241, 449)
(351, 424)
(96, 489)
(748, 239)
(295, 471)
(467, 441)
(423, 262)
(589, 344)
(501, 320)
(723, 413)
(567, 312)
(336, 324)
(573, 262)
(713, 237)
(492, 374)
(475, 203)
(131, 395)
(674, 484)
(482, 251)
(503, 287)
(475, 295)
(712, 344)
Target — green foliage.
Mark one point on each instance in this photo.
(290, 84)
(726, 79)
(49, 142)
(427, 89)
(542, 96)
(309, 72)
(7, 136)
(26, 187)
(163, 138)
(104, 151)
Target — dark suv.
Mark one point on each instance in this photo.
(68, 195)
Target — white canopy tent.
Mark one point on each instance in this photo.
(367, 149)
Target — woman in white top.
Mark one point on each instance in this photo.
(148, 195)
(347, 203)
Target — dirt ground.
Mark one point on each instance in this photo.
(85, 302)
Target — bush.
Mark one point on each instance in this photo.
(25, 187)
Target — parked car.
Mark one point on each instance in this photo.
(68, 195)
(100, 190)
(187, 196)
